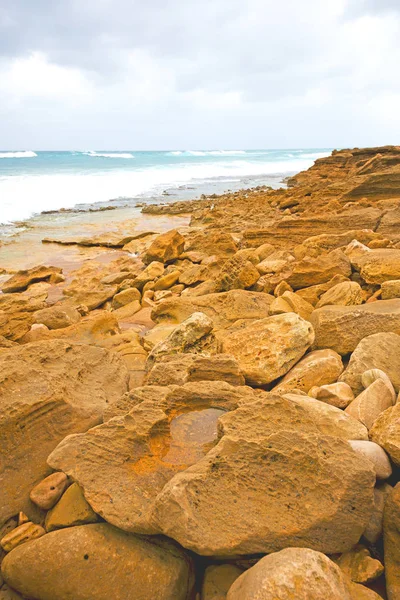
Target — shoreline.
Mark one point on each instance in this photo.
(204, 373)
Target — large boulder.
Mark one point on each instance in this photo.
(341, 328)
(316, 368)
(47, 391)
(378, 266)
(331, 420)
(347, 293)
(385, 431)
(391, 539)
(270, 413)
(224, 308)
(237, 273)
(377, 351)
(292, 574)
(287, 489)
(165, 248)
(268, 348)
(99, 562)
(314, 271)
(123, 464)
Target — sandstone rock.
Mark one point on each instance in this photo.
(386, 432)
(126, 297)
(347, 293)
(127, 311)
(14, 326)
(57, 317)
(268, 414)
(314, 271)
(378, 266)
(335, 394)
(224, 308)
(374, 529)
(167, 280)
(20, 535)
(157, 334)
(390, 289)
(329, 419)
(290, 302)
(156, 394)
(281, 288)
(89, 330)
(21, 280)
(185, 337)
(181, 368)
(341, 328)
(391, 541)
(368, 377)
(268, 348)
(129, 348)
(48, 390)
(47, 493)
(316, 368)
(237, 273)
(368, 405)
(153, 271)
(313, 293)
(217, 581)
(290, 488)
(208, 242)
(72, 509)
(298, 573)
(99, 562)
(358, 565)
(376, 455)
(6, 593)
(165, 248)
(378, 351)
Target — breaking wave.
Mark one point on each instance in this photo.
(109, 154)
(23, 154)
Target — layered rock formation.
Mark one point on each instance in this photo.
(211, 413)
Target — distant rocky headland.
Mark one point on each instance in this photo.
(203, 404)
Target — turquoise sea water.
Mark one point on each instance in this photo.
(32, 181)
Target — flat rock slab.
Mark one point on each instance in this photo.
(47, 391)
(224, 308)
(289, 489)
(99, 562)
(341, 328)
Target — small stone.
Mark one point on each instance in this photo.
(346, 293)
(336, 394)
(22, 518)
(72, 509)
(165, 248)
(291, 302)
(376, 455)
(167, 281)
(24, 533)
(317, 368)
(358, 565)
(281, 288)
(125, 297)
(46, 493)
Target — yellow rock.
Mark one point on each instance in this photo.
(71, 509)
(20, 535)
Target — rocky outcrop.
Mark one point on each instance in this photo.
(48, 390)
(23, 279)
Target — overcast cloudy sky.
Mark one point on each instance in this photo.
(158, 74)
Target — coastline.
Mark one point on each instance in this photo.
(221, 373)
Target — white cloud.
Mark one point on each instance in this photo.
(128, 74)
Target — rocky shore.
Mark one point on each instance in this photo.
(210, 412)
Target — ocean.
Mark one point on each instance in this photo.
(32, 182)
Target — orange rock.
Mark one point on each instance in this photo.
(47, 493)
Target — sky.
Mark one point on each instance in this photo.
(199, 74)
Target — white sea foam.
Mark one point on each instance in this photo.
(23, 154)
(23, 195)
(109, 154)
